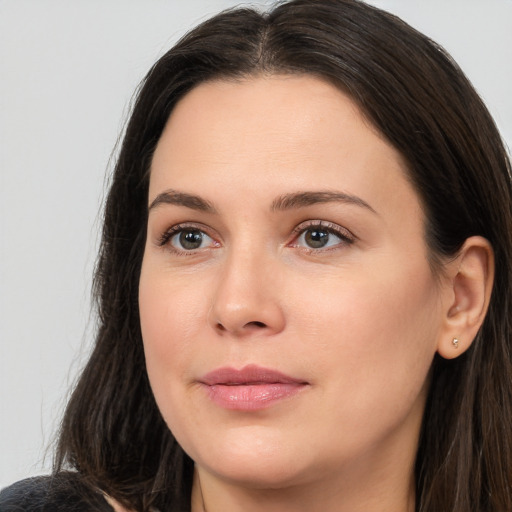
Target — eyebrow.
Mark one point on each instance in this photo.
(303, 199)
(281, 203)
(182, 199)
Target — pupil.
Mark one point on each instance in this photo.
(316, 238)
(191, 239)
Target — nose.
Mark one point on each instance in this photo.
(247, 300)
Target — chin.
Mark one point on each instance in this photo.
(253, 459)
(252, 474)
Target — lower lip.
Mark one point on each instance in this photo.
(252, 397)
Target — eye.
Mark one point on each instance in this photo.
(318, 238)
(182, 239)
(190, 239)
(320, 235)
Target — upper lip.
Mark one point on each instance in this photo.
(250, 374)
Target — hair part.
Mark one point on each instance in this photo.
(413, 93)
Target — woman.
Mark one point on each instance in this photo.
(296, 289)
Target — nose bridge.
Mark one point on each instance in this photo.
(246, 299)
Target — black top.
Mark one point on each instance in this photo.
(61, 493)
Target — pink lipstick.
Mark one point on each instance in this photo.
(250, 388)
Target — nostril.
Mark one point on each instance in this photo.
(255, 324)
(248, 326)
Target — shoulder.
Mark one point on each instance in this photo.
(60, 493)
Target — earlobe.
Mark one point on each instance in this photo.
(470, 280)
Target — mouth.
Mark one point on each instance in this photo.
(250, 388)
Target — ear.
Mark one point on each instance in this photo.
(470, 277)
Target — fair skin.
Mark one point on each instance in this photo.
(283, 233)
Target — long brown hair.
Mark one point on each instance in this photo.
(418, 98)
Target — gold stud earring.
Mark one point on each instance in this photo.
(455, 343)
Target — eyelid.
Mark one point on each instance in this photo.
(343, 233)
(163, 240)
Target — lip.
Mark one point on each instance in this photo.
(251, 388)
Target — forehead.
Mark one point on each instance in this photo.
(278, 111)
(274, 133)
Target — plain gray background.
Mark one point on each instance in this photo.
(68, 70)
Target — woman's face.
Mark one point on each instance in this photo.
(288, 309)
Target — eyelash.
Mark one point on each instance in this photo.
(166, 237)
(345, 236)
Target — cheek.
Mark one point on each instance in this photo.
(170, 320)
(381, 309)
(171, 317)
(373, 336)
